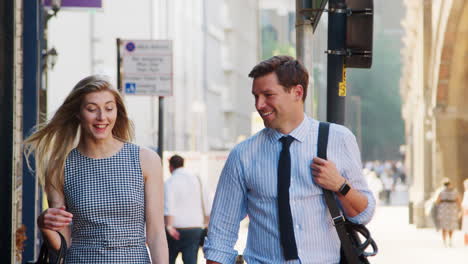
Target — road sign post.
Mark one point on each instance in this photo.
(145, 67)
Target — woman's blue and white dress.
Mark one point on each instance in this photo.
(106, 198)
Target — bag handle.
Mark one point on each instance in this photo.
(48, 256)
(337, 217)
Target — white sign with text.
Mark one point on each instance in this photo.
(146, 67)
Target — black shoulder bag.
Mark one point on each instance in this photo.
(353, 249)
(48, 256)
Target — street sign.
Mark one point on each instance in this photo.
(359, 30)
(146, 67)
(312, 10)
(76, 3)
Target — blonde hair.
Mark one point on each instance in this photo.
(53, 141)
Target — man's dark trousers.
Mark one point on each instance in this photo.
(188, 245)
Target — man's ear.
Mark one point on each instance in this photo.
(298, 91)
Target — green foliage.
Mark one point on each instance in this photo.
(379, 89)
(284, 49)
(271, 46)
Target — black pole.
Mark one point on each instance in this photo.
(119, 80)
(7, 50)
(336, 80)
(161, 127)
(32, 39)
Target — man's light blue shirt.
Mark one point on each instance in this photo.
(248, 186)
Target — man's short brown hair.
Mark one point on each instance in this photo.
(176, 161)
(290, 72)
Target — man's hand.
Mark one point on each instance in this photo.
(326, 174)
(173, 232)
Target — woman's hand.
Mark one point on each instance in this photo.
(54, 219)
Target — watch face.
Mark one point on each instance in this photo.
(344, 189)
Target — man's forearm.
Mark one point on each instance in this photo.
(354, 202)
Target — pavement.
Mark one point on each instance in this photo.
(400, 242)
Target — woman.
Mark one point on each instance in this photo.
(465, 211)
(102, 190)
(447, 211)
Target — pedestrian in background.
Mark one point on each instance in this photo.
(103, 191)
(276, 178)
(387, 186)
(186, 212)
(448, 205)
(465, 212)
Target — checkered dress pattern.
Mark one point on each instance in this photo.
(106, 198)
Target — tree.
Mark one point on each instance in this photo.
(382, 124)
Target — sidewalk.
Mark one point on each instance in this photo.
(400, 242)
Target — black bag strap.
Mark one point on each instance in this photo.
(48, 256)
(337, 216)
(63, 248)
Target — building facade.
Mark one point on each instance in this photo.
(215, 43)
(433, 88)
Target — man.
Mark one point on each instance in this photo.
(295, 228)
(185, 214)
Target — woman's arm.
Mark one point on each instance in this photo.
(154, 206)
(55, 219)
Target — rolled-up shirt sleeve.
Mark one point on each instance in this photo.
(229, 208)
(353, 173)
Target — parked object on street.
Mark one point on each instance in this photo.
(105, 194)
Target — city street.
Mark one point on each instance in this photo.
(400, 242)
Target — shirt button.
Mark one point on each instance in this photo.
(298, 227)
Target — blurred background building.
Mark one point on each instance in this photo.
(215, 43)
(434, 90)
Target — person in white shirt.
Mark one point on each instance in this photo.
(185, 212)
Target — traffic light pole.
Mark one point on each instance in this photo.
(336, 71)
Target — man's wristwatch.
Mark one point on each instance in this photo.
(344, 189)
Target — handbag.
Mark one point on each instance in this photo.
(48, 256)
(353, 249)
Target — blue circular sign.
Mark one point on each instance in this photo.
(130, 46)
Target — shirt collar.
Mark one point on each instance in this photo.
(300, 133)
(180, 170)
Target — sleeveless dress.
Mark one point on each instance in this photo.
(106, 198)
(448, 209)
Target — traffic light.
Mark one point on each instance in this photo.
(359, 28)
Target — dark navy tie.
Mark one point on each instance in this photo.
(288, 241)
